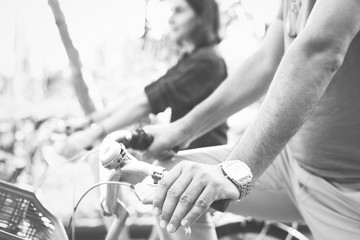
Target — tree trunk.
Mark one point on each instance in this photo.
(80, 86)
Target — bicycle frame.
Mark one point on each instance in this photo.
(114, 207)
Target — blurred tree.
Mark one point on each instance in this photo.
(81, 88)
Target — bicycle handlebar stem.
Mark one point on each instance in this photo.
(113, 155)
(110, 204)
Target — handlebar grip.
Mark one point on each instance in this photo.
(220, 205)
(140, 140)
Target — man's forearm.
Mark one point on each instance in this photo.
(239, 90)
(296, 89)
(244, 87)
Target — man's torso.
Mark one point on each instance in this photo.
(328, 144)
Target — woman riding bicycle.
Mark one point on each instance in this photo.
(194, 26)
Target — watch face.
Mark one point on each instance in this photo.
(236, 170)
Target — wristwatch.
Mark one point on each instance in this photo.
(239, 174)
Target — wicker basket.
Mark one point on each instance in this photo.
(22, 216)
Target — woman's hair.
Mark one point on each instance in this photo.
(207, 30)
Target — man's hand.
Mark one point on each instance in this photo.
(187, 191)
(168, 138)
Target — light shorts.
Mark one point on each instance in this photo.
(286, 192)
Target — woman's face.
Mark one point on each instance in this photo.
(182, 20)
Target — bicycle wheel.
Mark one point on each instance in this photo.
(259, 230)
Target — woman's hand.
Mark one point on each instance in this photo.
(187, 191)
(77, 142)
(168, 139)
(77, 124)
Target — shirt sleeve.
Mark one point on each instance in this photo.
(184, 86)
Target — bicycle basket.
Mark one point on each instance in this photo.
(22, 216)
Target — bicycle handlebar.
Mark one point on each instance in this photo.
(113, 155)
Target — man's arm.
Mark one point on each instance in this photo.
(239, 90)
(249, 82)
(303, 75)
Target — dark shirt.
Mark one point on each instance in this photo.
(187, 84)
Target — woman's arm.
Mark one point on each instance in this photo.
(239, 90)
(130, 111)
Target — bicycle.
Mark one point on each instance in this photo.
(114, 156)
(31, 215)
(40, 161)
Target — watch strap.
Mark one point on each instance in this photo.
(244, 185)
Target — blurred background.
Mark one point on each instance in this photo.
(65, 58)
(121, 44)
